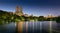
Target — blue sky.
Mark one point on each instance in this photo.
(35, 7)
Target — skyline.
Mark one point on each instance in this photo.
(35, 7)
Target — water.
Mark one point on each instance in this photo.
(8, 28)
(31, 27)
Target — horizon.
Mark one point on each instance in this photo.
(34, 15)
(35, 7)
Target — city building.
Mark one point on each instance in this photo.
(19, 11)
(50, 16)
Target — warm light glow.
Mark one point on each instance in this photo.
(20, 26)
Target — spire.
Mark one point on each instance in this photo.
(17, 9)
(50, 16)
(21, 13)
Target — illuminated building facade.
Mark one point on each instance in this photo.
(19, 12)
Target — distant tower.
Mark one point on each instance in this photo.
(50, 16)
(21, 13)
(17, 10)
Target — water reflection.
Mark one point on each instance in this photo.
(8, 28)
(20, 26)
(39, 27)
(26, 27)
(31, 27)
(50, 26)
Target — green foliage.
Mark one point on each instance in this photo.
(58, 19)
(10, 17)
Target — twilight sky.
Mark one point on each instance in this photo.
(35, 7)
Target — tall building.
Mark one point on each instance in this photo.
(50, 16)
(19, 12)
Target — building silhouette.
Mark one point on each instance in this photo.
(19, 11)
(50, 16)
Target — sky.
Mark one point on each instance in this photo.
(35, 7)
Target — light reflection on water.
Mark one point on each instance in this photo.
(8, 28)
(31, 27)
(40, 27)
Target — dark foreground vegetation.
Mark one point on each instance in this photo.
(10, 17)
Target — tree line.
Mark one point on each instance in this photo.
(10, 17)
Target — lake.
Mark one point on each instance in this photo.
(31, 27)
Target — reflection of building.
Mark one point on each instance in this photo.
(19, 12)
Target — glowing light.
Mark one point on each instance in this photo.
(50, 26)
(26, 27)
(20, 26)
(33, 27)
